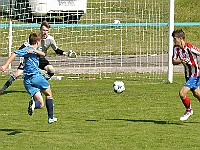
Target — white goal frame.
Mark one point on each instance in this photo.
(170, 44)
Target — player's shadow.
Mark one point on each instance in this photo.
(153, 121)
(13, 91)
(17, 131)
(12, 131)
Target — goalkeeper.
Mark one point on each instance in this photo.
(46, 42)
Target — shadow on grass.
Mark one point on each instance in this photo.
(153, 121)
(16, 131)
(8, 92)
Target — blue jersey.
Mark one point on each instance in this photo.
(34, 81)
(31, 60)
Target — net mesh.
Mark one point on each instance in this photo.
(111, 37)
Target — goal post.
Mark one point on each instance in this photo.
(10, 31)
(170, 43)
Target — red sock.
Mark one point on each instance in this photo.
(186, 102)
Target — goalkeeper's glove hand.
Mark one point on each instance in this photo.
(65, 53)
(72, 54)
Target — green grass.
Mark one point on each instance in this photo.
(91, 116)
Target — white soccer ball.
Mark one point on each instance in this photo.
(118, 86)
(116, 22)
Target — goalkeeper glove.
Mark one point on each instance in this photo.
(72, 54)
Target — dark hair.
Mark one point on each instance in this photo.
(178, 33)
(45, 23)
(34, 38)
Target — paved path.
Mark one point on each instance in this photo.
(107, 63)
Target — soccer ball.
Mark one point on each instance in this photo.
(116, 22)
(118, 86)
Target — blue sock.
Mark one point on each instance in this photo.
(49, 106)
(37, 104)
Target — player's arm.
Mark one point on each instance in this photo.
(175, 57)
(176, 62)
(36, 51)
(9, 60)
(181, 61)
(60, 52)
(56, 49)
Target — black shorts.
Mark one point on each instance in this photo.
(43, 62)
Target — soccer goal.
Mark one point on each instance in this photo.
(112, 38)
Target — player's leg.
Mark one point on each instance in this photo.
(45, 65)
(35, 103)
(183, 96)
(50, 71)
(39, 102)
(196, 90)
(38, 84)
(49, 105)
(13, 77)
(186, 102)
(196, 93)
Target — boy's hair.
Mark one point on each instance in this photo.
(34, 38)
(45, 23)
(178, 33)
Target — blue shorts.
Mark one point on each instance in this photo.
(35, 83)
(193, 82)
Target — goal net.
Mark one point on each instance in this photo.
(112, 38)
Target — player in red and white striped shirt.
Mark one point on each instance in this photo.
(186, 54)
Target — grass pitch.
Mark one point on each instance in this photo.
(92, 117)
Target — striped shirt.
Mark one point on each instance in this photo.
(191, 52)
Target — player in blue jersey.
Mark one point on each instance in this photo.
(34, 81)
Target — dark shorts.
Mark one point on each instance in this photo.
(43, 62)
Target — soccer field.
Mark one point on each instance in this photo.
(91, 116)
